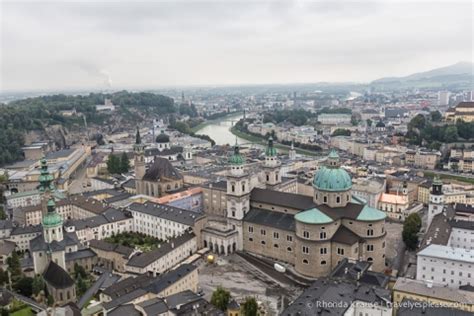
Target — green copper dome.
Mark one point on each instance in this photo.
(332, 177)
(313, 216)
(270, 151)
(45, 179)
(370, 214)
(236, 158)
(52, 219)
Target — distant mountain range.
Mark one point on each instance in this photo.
(459, 75)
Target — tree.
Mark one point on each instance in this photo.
(249, 307)
(341, 132)
(24, 286)
(3, 277)
(354, 120)
(220, 298)
(411, 227)
(435, 116)
(79, 271)
(369, 122)
(451, 134)
(38, 284)
(113, 164)
(418, 122)
(14, 265)
(50, 300)
(124, 163)
(81, 286)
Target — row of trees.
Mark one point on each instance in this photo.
(221, 299)
(185, 128)
(296, 117)
(118, 164)
(426, 130)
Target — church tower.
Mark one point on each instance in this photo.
(436, 205)
(292, 152)
(271, 166)
(139, 150)
(238, 193)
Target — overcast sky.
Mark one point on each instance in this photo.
(91, 44)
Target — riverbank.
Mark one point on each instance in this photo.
(202, 125)
(449, 177)
(262, 141)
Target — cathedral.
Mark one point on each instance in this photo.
(161, 178)
(311, 233)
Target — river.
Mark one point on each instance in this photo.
(219, 130)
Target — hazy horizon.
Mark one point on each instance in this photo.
(64, 45)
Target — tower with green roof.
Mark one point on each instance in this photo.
(52, 222)
(332, 184)
(238, 192)
(271, 166)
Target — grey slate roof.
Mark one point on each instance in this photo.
(5, 224)
(278, 220)
(126, 298)
(39, 244)
(166, 212)
(290, 200)
(154, 306)
(161, 168)
(128, 310)
(165, 280)
(106, 246)
(127, 285)
(6, 247)
(57, 277)
(331, 291)
(345, 236)
(142, 260)
(80, 254)
(181, 298)
(26, 230)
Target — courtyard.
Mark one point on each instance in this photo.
(243, 279)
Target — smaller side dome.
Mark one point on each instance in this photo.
(162, 138)
(236, 158)
(313, 216)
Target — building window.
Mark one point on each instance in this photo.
(250, 229)
(306, 234)
(370, 232)
(233, 213)
(322, 235)
(340, 251)
(289, 238)
(263, 242)
(233, 188)
(275, 245)
(243, 187)
(305, 261)
(370, 259)
(305, 249)
(263, 232)
(323, 251)
(250, 239)
(276, 235)
(338, 199)
(323, 262)
(370, 247)
(289, 249)
(325, 199)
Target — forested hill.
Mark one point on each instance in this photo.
(38, 113)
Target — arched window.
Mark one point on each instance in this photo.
(338, 199)
(289, 249)
(263, 242)
(325, 199)
(323, 262)
(370, 259)
(233, 188)
(268, 177)
(305, 261)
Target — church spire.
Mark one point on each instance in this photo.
(138, 139)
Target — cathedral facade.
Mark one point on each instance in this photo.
(312, 233)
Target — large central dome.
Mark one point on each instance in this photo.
(332, 177)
